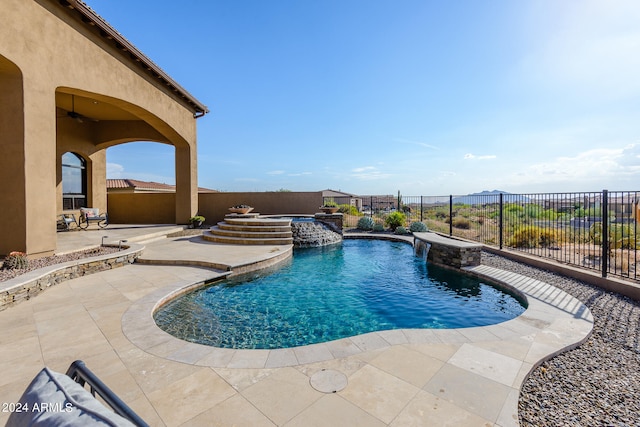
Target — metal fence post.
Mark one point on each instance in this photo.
(451, 215)
(371, 207)
(501, 220)
(605, 232)
(421, 209)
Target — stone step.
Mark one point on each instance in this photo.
(258, 228)
(258, 221)
(251, 233)
(247, 240)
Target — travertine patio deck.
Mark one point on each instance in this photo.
(462, 377)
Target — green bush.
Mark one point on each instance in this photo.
(395, 220)
(418, 227)
(400, 230)
(348, 210)
(378, 227)
(531, 236)
(462, 223)
(366, 223)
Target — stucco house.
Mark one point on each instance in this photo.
(71, 87)
(137, 186)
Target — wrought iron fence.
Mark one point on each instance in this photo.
(593, 230)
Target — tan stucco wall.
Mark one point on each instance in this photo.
(43, 51)
(142, 208)
(155, 208)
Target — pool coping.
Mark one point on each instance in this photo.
(558, 319)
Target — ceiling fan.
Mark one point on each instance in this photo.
(80, 118)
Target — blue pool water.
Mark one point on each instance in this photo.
(334, 292)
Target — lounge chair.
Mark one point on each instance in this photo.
(66, 221)
(53, 398)
(89, 215)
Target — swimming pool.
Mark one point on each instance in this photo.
(334, 292)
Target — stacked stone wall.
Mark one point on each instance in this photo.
(447, 251)
(11, 295)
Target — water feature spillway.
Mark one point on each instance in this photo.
(309, 233)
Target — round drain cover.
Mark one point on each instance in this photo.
(328, 381)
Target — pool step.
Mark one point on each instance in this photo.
(251, 231)
(257, 222)
(233, 232)
(208, 235)
(257, 228)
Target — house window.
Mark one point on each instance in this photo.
(74, 181)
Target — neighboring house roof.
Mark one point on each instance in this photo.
(333, 193)
(101, 27)
(146, 186)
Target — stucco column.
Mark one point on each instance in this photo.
(186, 183)
(97, 180)
(27, 167)
(13, 227)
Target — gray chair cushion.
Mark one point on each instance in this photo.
(54, 399)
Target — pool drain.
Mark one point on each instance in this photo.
(328, 381)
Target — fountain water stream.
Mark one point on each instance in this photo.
(421, 249)
(313, 233)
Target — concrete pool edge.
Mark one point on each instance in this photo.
(558, 320)
(481, 369)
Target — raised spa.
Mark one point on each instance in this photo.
(333, 292)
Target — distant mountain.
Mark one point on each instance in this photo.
(487, 197)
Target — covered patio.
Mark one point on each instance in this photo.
(78, 89)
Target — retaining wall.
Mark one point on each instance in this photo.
(26, 286)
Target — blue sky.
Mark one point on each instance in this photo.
(375, 96)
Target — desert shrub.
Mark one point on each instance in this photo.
(15, 261)
(378, 227)
(548, 238)
(417, 227)
(441, 215)
(462, 223)
(395, 219)
(366, 223)
(348, 210)
(531, 236)
(400, 230)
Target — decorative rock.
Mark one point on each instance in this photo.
(596, 384)
(309, 234)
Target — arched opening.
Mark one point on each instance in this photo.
(74, 181)
(142, 160)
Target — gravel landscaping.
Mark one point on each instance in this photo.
(596, 384)
(55, 259)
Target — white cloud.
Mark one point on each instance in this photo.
(470, 156)
(363, 169)
(369, 173)
(421, 144)
(597, 166)
(299, 174)
(275, 173)
(114, 171)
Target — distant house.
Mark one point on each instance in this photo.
(379, 203)
(136, 186)
(343, 198)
